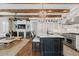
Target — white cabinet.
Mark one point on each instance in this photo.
(77, 42)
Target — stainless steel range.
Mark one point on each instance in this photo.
(72, 40)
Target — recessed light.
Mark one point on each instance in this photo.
(64, 10)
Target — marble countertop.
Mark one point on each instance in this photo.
(73, 33)
(53, 36)
(37, 39)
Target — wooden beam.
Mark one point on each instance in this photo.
(35, 10)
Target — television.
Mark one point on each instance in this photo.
(21, 26)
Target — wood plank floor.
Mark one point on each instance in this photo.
(35, 53)
(67, 52)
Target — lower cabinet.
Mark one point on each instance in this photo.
(26, 50)
(51, 46)
(36, 48)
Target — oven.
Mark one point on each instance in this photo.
(70, 40)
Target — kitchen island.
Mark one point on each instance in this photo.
(21, 47)
(48, 45)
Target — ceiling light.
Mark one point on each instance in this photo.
(64, 10)
(42, 13)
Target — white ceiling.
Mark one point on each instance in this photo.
(74, 8)
(37, 6)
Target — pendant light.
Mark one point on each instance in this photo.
(42, 13)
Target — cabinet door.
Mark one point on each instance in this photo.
(51, 47)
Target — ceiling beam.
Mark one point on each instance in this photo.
(35, 10)
(30, 16)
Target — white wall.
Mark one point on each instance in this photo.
(4, 25)
(42, 28)
(70, 28)
(33, 25)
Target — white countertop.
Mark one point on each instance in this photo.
(53, 36)
(36, 39)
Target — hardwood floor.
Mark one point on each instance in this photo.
(69, 51)
(26, 50)
(35, 53)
